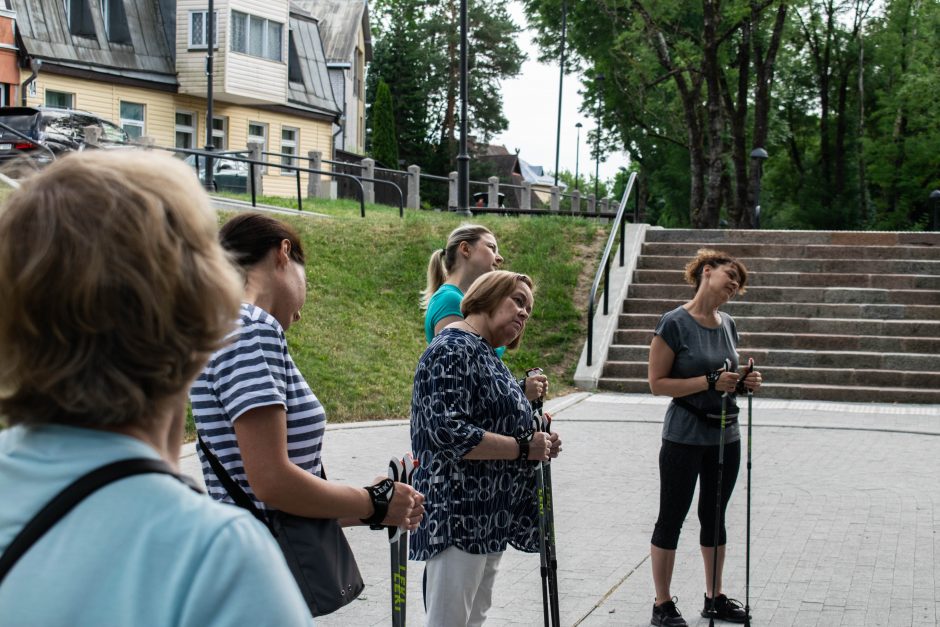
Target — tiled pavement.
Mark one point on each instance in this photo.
(845, 523)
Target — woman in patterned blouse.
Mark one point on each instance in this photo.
(471, 428)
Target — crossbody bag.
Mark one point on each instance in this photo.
(316, 550)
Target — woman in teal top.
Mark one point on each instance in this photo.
(471, 252)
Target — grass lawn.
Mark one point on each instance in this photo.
(361, 331)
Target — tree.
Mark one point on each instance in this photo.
(384, 140)
(417, 54)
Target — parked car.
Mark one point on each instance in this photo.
(54, 131)
(228, 175)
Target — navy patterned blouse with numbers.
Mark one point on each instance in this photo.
(462, 390)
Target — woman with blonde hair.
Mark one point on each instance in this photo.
(115, 291)
(471, 252)
(691, 345)
(472, 429)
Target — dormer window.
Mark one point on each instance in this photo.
(115, 21)
(256, 36)
(78, 14)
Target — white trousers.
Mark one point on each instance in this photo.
(459, 587)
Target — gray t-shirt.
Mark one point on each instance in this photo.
(698, 350)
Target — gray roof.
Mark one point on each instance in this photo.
(315, 90)
(43, 30)
(340, 21)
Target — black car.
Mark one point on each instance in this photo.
(53, 132)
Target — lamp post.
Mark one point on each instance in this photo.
(599, 81)
(561, 80)
(758, 156)
(463, 159)
(935, 205)
(210, 44)
(577, 152)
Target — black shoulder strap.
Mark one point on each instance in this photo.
(234, 490)
(75, 493)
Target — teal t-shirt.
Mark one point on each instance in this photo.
(145, 550)
(443, 303)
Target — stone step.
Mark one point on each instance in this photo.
(790, 375)
(800, 358)
(815, 392)
(809, 341)
(842, 238)
(839, 295)
(774, 264)
(902, 328)
(804, 279)
(796, 251)
(798, 310)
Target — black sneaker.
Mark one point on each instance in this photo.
(667, 615)
(725, 609)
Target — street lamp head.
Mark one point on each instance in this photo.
(935, 195)
(578, 125)
(759, 153)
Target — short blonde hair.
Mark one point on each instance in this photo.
(714, 258)
(114, 287)
(490, 290)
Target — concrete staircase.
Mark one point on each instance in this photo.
(836, 316)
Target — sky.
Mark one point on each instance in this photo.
(530, 103)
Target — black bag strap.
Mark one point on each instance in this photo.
(72, 495)
(228, 484)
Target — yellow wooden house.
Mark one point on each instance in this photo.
(142, 64)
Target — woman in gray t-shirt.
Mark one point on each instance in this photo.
(687, 362)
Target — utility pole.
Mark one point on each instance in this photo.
(561, 80)
(463, 159)
(210, 44)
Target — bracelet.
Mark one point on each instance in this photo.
(523, 442)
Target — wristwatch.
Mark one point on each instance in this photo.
(523, 442)
(712, 378)
(381, 495)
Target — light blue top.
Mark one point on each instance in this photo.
(143, 551)
(443, 303)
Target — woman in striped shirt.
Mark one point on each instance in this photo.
(254, 409)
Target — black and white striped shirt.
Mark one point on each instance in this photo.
(254, 370)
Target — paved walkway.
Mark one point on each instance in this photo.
(845, 518)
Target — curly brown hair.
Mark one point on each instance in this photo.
(713, 258)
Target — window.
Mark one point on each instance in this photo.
(60, 99)
(132, 119)
(198, 32)
(115, 21)
(258, 134)
(220, 133)
(185, 129)
(256, 36)
(357, 73)
(78, 14)
(289, 147)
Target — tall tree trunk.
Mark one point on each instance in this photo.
(711, 207)
(736, 200)
(448, 133)
(764, 62)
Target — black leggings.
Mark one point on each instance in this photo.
(679, 466)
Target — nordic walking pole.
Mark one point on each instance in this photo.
(721, 465)
(401, 470)
(747, 552)
(549, 561)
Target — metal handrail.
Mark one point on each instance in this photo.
(618, 225)
(255, 162)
